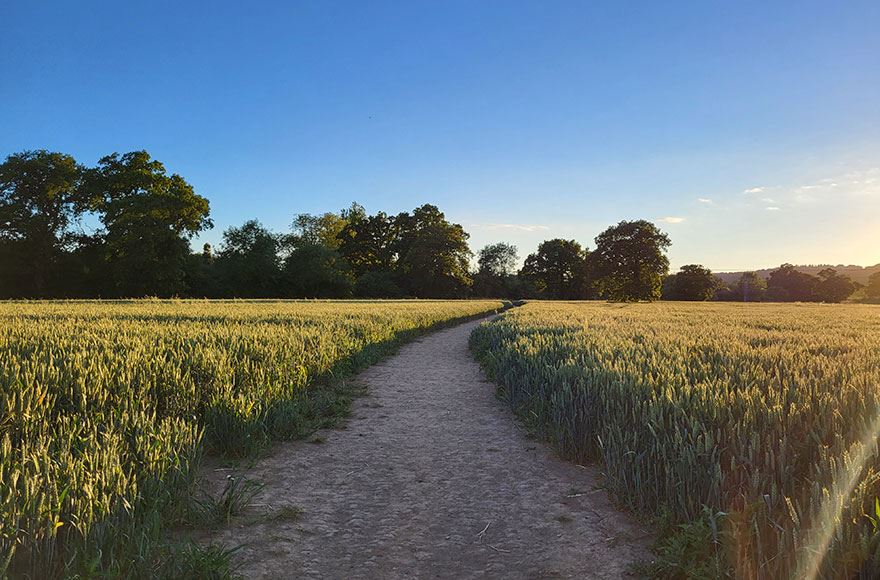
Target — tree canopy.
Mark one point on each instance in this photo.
(557, 269)
(630, 261)
(496, 271)
(123, 228)
(40, 199)
(433, 254)
(692, 282)
(248, 264)
(750, 287)
(872, 290)
(149, 217)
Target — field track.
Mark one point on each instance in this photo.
(431, 457)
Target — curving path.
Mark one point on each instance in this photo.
(431, 478)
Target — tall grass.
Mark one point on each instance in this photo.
(751, 428)
(106, 407)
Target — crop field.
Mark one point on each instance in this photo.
(106, 408)
(749, 431)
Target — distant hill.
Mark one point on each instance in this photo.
(859, 274)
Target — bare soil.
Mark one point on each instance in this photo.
(431, 478)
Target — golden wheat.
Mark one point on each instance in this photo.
(104, 407)
(759, 419)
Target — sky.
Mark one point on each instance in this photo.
(748, 131)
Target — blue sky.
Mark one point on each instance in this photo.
(750, 131)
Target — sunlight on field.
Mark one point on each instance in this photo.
(754, 424)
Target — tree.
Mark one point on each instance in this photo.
(872, 291)
(377, 285)
(368, 242)
(248, 265)
(495, 270)
(750, 287)
(630, 261)
(787, 284)
(498, 259)
(316, 271)
(692, 282)
(323, 229)
(834, 287)
(149, 218)
(201, 275)
(557, 270)
(40, 198)
(433, 254)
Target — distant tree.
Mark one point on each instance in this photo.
(149, 218)
(692, 282)
(630, 261)
(498, 259)
(834, 287)
(495, 271)
(321, 229)
(750, 287)
(872, 290)
(724, 293)
(368, 243)
(201, 275)
(787, 284)
(433, 254)
(248, 265)
(316, 271)
(557, 270)
(40, 198)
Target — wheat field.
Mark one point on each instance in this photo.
(106, 408)
(750, 430)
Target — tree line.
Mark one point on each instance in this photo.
(123, 229)
(784, 284)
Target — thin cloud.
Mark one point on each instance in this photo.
(705, 200)
(768, 200)
(671, 220)
(772, 208)
(859, 183)
(754, 190)
(515, 227)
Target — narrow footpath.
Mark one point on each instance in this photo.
(431, 478)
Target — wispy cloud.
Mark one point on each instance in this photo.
(857, 183)
(515, 227)
(705, 200)
(671, 220)
(772, 208)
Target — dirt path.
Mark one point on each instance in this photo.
(430, 459)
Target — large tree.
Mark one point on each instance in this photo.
(495, 271)
(557, 270)
(316, 271)
(834, 287)
(323, 229)
(691, 282)
(433, 254)
(149, 217)
(630, 261)
(787, 284)
(40, 199)
(368, 242)
(872, 290)
(497, 259)
(750, 287)
(248, 265)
